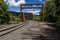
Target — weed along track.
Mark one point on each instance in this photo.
(11, 29)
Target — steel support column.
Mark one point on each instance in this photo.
(42, 12)
(21, 14)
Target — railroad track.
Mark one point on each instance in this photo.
(38, 32)
(13, 28)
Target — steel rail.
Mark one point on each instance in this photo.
(12, 29)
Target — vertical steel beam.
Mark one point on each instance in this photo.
(21, 14)
(42, 12)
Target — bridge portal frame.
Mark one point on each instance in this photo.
(21, 13)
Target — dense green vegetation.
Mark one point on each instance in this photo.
(52, 12)
(5, 17)
(14, 17)
(36, 18)
(49, 11)
(57, 3)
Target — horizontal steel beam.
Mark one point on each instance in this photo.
(31, 7)
(30, 4)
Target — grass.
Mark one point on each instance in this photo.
(36, 18)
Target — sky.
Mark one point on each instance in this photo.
(14, 5)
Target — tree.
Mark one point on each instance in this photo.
(49, 9)
(57, 3)
(4, 17)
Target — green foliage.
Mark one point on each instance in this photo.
(4, 17)
(36, 18)
(58, 23)
(57, 3)
(49, 14)
(14, 18)
(52, 12)
(49, 11)
(40, 14)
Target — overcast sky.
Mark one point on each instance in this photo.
(14, 5)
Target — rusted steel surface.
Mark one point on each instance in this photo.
(30, 4)
(21, 14)
(42, 13)
(32, 7)
(28, 16)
